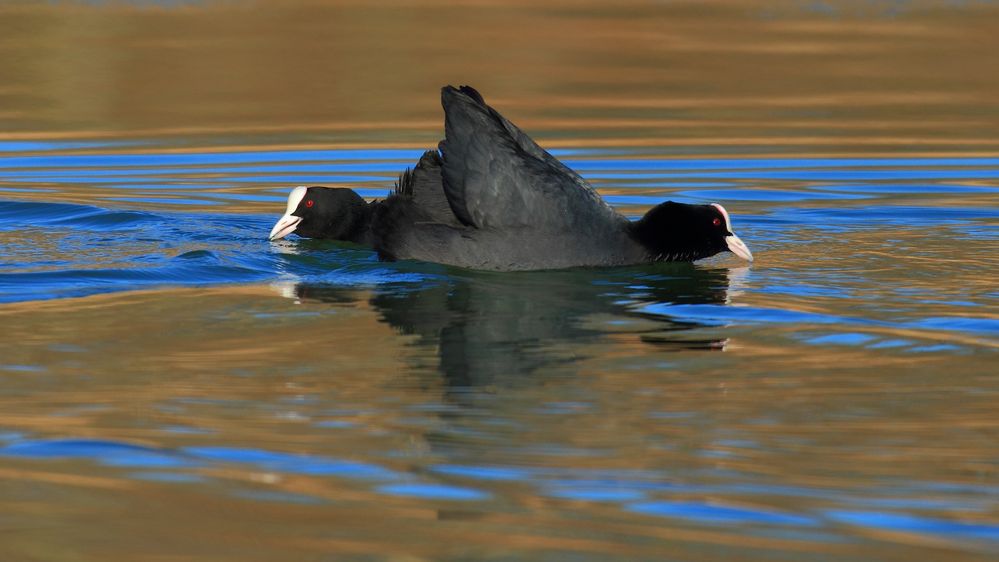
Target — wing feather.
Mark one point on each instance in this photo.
(496, 176)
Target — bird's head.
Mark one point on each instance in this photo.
(322, 212)
(681, 232)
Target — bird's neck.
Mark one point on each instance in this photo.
(359, 230)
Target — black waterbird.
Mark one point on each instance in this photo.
(491, 198)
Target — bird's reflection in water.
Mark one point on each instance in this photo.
(497, 328)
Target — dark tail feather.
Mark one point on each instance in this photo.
(472, 93)
(422, 188)
(468, 92)
(404, 186)
(425, 174)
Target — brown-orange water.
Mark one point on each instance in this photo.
(173, 386)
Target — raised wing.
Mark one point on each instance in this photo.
(495, 176)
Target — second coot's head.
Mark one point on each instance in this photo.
(324, 212)
(681, 232)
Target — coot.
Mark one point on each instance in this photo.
(491, 198)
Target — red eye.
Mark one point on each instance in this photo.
(716, 221)
(309, 203)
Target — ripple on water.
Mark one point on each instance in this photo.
(121, 454)
(163, 248)
(110, 453)
(434, 491)
(720, 514)
(780, 205)
(19, 214)
(718, 315)
(906, 522)
(293, 463)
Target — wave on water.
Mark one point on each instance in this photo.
(58, 250)
(876, 234)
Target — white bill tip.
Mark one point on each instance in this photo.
(284, 227)
(738, 247)
(289, 222)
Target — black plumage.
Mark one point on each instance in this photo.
(493, 199)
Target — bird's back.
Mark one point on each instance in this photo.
(493, 199)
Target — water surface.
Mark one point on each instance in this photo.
(172, 379)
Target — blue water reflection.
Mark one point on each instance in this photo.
(719, 514)
(103, 230)
(434, 491)
(110, 453)
(295, 464)
(903, 522)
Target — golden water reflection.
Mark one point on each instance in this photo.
(215, 374)
(557, 384)
(904, 76)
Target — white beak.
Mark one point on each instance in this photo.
(287, 225)
(289, 222)
(737, 247)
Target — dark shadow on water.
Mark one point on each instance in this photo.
(494, 328)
